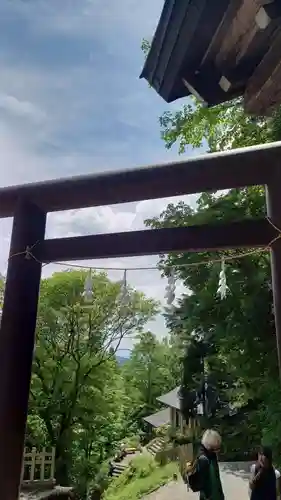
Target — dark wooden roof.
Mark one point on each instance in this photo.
(171, 399)
(217, 50)
(159, 418)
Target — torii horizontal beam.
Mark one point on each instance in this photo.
(211, 172)
(206, 237)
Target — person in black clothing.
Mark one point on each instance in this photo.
(207, 469)
(263, 484)
(110, 469)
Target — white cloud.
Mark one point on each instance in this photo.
(21, 162)
(89, 16)
(144, 276)
(89, 221)
(153, 208)
(20, 108)
(71, 102)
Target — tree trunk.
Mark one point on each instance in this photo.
(63, 462)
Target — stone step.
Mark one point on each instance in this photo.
(118, 468)
(155, 446)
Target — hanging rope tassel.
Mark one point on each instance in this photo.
(124, 294)
(223, 289)
(171, 288)
(88, 287)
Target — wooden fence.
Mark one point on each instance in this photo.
(38, 466)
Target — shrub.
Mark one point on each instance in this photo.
(142, 476)
(132, 442)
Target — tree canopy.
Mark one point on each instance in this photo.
(77, 396)
(242, 325)
(152, 370)
(82, 400)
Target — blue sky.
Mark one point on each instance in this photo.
(71, 102)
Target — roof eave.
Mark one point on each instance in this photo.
(177, 50)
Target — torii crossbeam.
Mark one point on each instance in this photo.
(29, 205)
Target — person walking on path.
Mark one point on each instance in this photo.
(205, 476)
(265, 479)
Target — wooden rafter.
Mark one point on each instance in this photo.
(240, 33)
(263, 92)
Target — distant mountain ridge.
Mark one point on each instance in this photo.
(121, 359)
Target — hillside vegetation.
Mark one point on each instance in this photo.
(143, 476)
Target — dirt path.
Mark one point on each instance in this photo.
(234, 480)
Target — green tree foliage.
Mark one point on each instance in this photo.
(201, 309)
(221, 127)
(151, 371)
(145, 46)
(77, 391)
(242, 326)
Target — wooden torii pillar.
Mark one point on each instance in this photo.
(273, 202)
(30, 203)
(17, 342)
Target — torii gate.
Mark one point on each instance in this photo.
(29, 204)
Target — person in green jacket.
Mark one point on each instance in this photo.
(208, 468)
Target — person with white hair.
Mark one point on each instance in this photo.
(211, 440)
(204, 475)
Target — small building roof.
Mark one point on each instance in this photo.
(159, 418)
(217, 51)
(171, 398)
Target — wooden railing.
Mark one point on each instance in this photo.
(38, 466)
